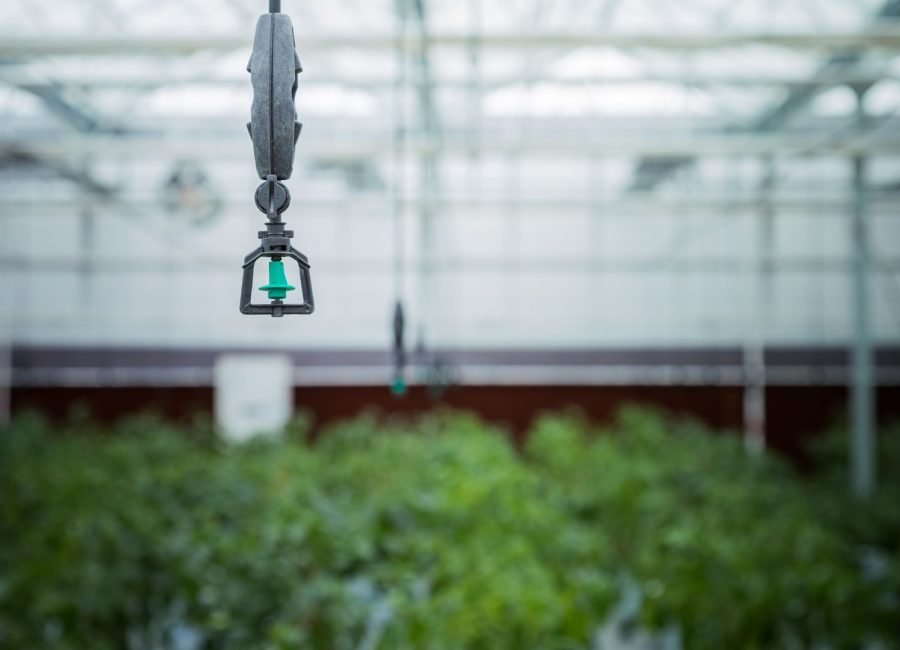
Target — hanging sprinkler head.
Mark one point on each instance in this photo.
(274, 130)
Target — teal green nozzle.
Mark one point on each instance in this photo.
(278, 286)
(398, 387)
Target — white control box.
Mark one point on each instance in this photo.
(253, 394)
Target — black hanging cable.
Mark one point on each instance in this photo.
(398, 379)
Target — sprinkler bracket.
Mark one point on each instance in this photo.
(276, 308)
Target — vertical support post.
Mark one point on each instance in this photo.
(9, 287)
(428, 180)
(5, 376)
(862, 442)
(755, 347)
(86, 238)
(474, 89)
(274, 6)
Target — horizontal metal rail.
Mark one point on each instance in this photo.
(14, 76)
(458, 265)
(110, 367)
(462, 208)
(885, 36)
(367, 146)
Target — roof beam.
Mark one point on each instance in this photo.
(885, 35)
(32, 81)
(19, 158)
(52, 95)
(649, 173)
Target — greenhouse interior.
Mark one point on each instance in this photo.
(419, 324)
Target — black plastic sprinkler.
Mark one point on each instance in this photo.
(274, 130)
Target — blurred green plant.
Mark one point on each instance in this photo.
(728, 547)
(871, 527)
(431, 533)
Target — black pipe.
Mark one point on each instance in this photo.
(274, 6)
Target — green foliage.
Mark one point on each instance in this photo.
(728, 547)
(433, 533)
(878, 523)
(872, 527)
